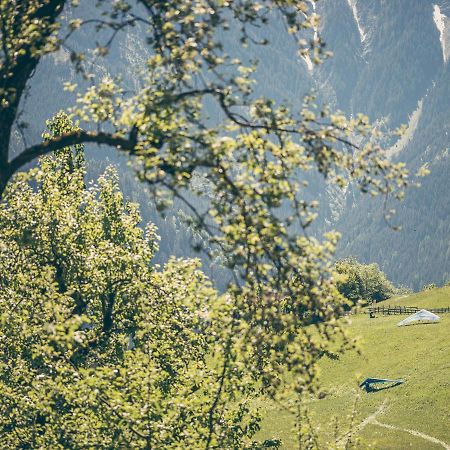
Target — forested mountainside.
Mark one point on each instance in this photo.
(390, 61)
(397, 72)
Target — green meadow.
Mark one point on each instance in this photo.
(414, 415)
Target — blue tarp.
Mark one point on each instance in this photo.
(368, 383)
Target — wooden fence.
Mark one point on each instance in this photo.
(407, 310)
(439, 310)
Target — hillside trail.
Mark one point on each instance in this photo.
(363, 424)
(372, 420)
(416, 433)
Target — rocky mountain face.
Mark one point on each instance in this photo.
(391, 62)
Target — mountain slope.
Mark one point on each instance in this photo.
(390, 61)
(401, 77)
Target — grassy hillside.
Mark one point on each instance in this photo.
(415, 414)
(433, 298)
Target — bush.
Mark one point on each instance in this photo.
(403, 290)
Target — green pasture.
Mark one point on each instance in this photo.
(420, 354)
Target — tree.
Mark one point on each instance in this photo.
(363, 282)
(100, 349)
(254, 161)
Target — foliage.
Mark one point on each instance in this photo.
(359, 282)
(254, 159)
(428, 287)
(403, 290)
(100, 349)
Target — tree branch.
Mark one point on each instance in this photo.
(14, 74)
(67, 140)
(60, 142)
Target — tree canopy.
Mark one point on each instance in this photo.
(363, 282)
(99, 348)
(73, 258)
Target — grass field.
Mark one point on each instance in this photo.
(414, 415)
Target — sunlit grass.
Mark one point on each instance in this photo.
(420, 354)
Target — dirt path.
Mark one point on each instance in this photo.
(372, 420)
(363, 424)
